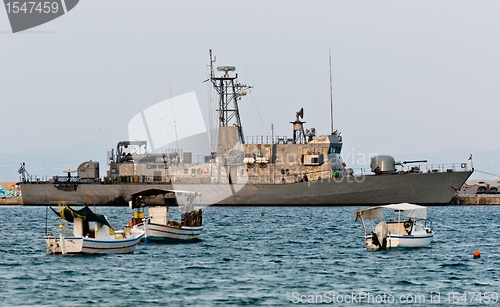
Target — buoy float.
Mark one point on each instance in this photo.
(477, 254)
(262, 213)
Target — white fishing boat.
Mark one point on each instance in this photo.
(91, 234)
(157, 225)
(404, 225)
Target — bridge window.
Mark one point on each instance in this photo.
(336, 148)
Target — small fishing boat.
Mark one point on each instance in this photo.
(157, 225)
(404, 225)
(91, 234)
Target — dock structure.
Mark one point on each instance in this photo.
(476, 199)
(13, 191)
(478, 192)
(10, 201)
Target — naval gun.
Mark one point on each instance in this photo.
(406, 162)
(385, 164)
(121, 156)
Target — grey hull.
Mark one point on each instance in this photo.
(421, 188)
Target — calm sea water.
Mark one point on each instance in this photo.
(289, 255)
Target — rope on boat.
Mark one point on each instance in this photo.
(61, 207)
(487, 173)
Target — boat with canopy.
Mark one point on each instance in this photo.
(91, 234)
(395, 225)
(157, 224)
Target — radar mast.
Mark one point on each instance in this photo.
(229, 90)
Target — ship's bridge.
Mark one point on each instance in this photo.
(331, 146)
(333, 140)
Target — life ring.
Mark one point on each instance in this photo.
(463, 165)
(407, 224)
(198, 171)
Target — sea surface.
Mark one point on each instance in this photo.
(258, 256)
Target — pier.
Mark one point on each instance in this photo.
(476, 199)
(10, 201)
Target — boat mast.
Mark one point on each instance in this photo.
(331, 89)
(229, 90)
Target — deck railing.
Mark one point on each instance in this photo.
(419, 168)
(267, 139)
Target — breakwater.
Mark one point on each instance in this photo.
(11, 201)
(476, 199)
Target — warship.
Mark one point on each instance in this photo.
(301, 170)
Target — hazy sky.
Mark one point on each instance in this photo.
(408, 76)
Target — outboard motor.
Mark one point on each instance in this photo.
(379, 237)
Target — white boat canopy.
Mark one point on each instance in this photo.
(409, 210)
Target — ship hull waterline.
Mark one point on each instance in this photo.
(421, 188)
